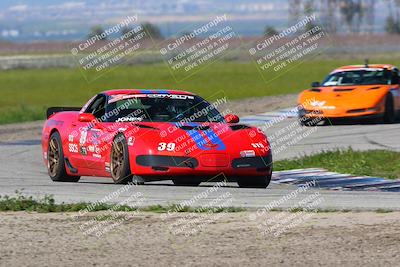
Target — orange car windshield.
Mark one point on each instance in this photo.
(358, 77)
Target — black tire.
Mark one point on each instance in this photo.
(56, 161)
(308, 122)
(390, 113)
(304, 122)
(119, 161)
(254, 182)
(186, 182)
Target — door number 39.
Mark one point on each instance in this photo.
(165, 146)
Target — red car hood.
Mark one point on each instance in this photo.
(195, 137)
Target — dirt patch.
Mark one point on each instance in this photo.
(243, 107)
(329, 239)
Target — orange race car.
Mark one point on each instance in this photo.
(361, 91)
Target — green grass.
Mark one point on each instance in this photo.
(380, 163)
(383, 210)
(48, 204)
(316, 210)
(25, 94)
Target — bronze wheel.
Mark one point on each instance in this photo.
(53, 157)
(119, 163)
(56, 161)
(117, 160)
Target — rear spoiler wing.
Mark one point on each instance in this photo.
(54, 110)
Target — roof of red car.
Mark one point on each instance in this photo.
(370, 66)
(145, 91)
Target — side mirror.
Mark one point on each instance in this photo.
(315, 84)
(231, 118)
(86, 117)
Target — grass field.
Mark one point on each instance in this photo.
(379, 163)
(27, 93)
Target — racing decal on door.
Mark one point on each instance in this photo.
(73, 148)
(72, 145)
(83, 151)
(82, 140)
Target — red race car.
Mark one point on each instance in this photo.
(150, 135)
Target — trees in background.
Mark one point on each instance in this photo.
(352, 16)
(97, 31)
(152, 30)
(270, 31)
(126, 30)
(392, 25)
(352, 13)
(149, 28)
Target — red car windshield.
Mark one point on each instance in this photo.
(161, 108)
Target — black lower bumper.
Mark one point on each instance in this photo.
(261, 164)
(166, 161)
(252, 162)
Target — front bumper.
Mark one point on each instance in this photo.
(205, 166)
(341, 114)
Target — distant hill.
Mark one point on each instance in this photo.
(64, 20)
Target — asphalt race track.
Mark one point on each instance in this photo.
(361, 136)
(22, 169)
